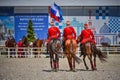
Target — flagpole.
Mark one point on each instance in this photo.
(49, 13)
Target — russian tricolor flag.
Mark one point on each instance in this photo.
(56, 12)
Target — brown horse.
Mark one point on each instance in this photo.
(88, 49)
(38, 44)
(70, 51)
(11, 43)
(7, 42)
(54, 47)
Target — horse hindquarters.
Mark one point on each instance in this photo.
(69, 51)
(54, 58)
(89, 51)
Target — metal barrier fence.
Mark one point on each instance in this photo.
(29, 51)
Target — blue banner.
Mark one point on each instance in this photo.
(40, 25)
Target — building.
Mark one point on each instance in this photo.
(103, 17)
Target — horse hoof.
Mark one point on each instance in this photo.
(95, 68)
(56, 70)
(87, 68)
(74, 70)
(70, 69)
(52, 69)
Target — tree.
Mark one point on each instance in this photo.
(30, 32)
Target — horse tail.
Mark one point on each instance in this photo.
(52, 46)
(102, 56)
(77, 59)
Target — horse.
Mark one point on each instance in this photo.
(25, 45)
(38, 44)
(7, 44)
(11, 43)
(89, 49)
(54, 47)
(70, 51)
(25, 41)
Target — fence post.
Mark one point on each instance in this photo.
(8, 52)
(25, 51)
(0, 53)
(31, 52)
(16, 50)
(108, 51)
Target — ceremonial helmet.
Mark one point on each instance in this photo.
(67, 22)
(51, 23)
(85, 25)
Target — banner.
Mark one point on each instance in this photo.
(40, 25)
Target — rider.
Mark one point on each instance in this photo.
(69, 33)
(20, 44)
(53, 32)
(86, 36)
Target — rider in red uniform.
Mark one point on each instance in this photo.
(53, 32)
(69, 37)
(69, 32)
(20, 44)
(87, 35)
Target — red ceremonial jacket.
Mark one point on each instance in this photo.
(69, 33)
(53, 32)
(87, 35)
(20, 44)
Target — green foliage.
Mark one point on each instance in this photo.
(30, 32)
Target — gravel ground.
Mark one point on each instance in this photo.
(39, 69)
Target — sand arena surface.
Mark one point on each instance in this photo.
(39, 69)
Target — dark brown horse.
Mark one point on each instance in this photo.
(54, 47)
(88, 49)
(38, 45)
(25, 41)
(25, 46)
(70, 51)
(7, 42)
(11, 44)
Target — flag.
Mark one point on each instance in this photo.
(56, 12)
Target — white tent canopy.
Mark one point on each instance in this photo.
(60, 2)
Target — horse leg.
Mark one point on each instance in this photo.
(85, 62)
(90, 58)
(69, 57)
(74, 46)
(57, 60)
(68, 54)
(95, 62)
(73, 64)
(56, 64)
(51, 60)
